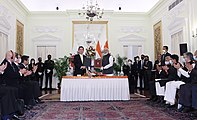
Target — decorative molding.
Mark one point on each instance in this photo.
(177, 22)
(132, 29)
(131, 38)
(46, 37)
(46, 29)
(4, 23)
(179, 10)
(4, 17)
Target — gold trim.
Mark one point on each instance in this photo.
(88, 22)
(158, 25)
(19, 37)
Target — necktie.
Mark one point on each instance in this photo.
(13, 67)
(142, 64)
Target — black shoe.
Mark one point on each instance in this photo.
(28, 107)
(150, 99)
(161, 104)
(15, 117)
(186, 110)
(181, 109)
(38, 101)
(193, 115)
(169, 106)
(155, 99)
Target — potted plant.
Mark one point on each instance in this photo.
(61, 67)
(118, 64)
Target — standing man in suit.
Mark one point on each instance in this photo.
(40, 71)
(165, 53)
(132, 81)
(107, 63)
(137, 66)
(79, 60)
(147, 72)
(49, 66)
(141, 73)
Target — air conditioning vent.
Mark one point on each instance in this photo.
(174, 4)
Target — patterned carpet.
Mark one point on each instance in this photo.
(173, 112)
(128, 110)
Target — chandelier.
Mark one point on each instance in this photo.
(91, 11)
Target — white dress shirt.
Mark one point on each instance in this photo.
(110, 63)
(81, 56)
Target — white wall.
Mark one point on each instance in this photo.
(193, 20)
(180, 18)
(10, 11)
(49, 28)
(59, 25)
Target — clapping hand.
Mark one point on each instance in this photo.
(3, 67)
(83, 67)
(23, 71)
(28, 73)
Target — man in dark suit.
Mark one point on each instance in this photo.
(129, 71)
(147, 72)
(49, 66)
(79, 62)
(139, 67)
(165, 53)
(40, 71)
(34, 85)
(8, 97)
(188, 91)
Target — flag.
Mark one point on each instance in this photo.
(98, 49)
(106, 44)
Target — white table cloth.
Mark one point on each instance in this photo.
(96, 89)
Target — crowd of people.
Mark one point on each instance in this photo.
(21, 83)
(170, 83)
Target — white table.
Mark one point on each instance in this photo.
(94, 89)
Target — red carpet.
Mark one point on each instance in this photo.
(128, 110)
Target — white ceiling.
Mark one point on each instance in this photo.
(126, 5)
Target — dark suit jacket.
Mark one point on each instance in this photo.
(148, 64)
(11, 75)
(40, 67)
(128, 70)
(170, 76)
(49, 64)
(27, 78)
(78, 63)
(193, 75)
(137, 66)
(163, 56)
